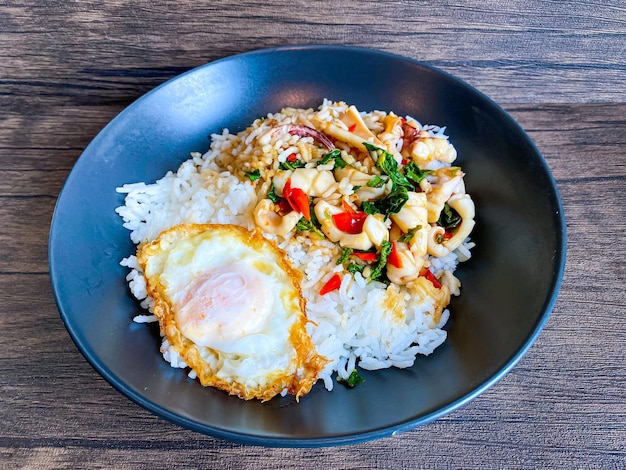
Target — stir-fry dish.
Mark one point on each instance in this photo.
(364, 218)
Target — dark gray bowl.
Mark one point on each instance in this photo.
(509, 286)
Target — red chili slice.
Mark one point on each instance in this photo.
(297, 199)
(332, 284)
(292, 158)
(352, 128)
(366, 256)
(394, 258)
(427, 273)
(350, 222)
(347, 207)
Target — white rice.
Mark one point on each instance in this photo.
(351, 326)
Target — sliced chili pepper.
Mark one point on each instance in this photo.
(332, 284)
(366, 255)
(292, 158)
(427, 273)
(297, 199)
(447, 235)
(394, 258)
(347, 207)
(352, 128)
(350, 222)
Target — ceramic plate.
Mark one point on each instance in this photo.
(509, 286)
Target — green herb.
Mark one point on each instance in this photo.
(305, 225)
(272, 196)
(345, 255)
(376, 182)
(388, 165)
(353, 380)
(413, 172)
(408, 236)
(377, 270)
(314, 221)
(395, 200)
(253, 175)
(400, 187)
(333, 155)
(340, 162)
(449, 218)
(392, 204)
(329, 156)
(262, 119)
(287, 165)
(354, 268)
(356, 188)
(369, 207)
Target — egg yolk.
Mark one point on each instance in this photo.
(225, 303)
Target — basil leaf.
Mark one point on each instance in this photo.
(377, 271)
(253, 175)
(396, 199)
(340, 162)
(272, 196)
(345, 255)
(333, 155)
(392, 204)
(354, 268)
(388, 165)
(305, 225)
(414, 173)
(353, 380)
(408, 236)
(369, 207)
(449, 218)
(376, 182)
(286, 165)
(329, 156)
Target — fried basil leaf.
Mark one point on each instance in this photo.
(345, 255)
(376, 182)
(449, 218)
(413, 172)
(287, 165)
(378, 268)
(353, 380)
(253, 175)
(272, 196)
(408, 236)
(305, 225)
(354, 268)
(388, 165)
(333, 155)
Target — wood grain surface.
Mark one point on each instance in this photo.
(558, 67)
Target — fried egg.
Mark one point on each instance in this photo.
(229, 302)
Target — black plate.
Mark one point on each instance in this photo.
(509, 286)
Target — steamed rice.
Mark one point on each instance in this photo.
(371, 325)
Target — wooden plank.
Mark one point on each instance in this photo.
(562, 51)
(23, 238)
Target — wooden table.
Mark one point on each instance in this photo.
(559, 67)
